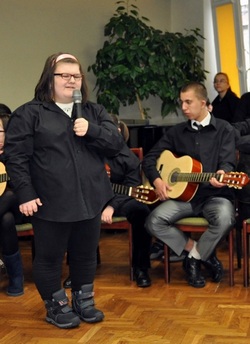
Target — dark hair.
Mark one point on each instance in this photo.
(4, 109)
(199, 89)
(4, 117)
(44, 90)
(5, 113)
(122, 126)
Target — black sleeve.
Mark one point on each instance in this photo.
(242, 111)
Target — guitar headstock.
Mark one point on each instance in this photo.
(235, 179)
(144, 194)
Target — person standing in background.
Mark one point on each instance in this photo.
(55, 161)
(9, 215)
(224, 105)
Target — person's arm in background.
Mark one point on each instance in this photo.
(242, 111)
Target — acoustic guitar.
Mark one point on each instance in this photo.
(3, 178)
(141, 193)
(183, 175)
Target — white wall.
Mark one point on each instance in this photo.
(186, 15)
(198, 14)
(209, 46)
(31, 30)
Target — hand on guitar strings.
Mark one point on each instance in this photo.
(214, 182)
(161, 189)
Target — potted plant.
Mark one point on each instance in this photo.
(137, 61)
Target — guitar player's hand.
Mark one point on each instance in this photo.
(30, 207)
(213, 181)
(107, 214)
(161, 189)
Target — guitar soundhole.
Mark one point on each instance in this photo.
(173, 178)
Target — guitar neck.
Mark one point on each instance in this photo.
(3, 178)
(195, 177)
(122, 189)
(141, 193)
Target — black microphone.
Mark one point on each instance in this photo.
(77, 98)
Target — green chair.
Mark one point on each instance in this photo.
(198, 225)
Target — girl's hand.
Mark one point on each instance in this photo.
(30, 207)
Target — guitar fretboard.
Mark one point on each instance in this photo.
(3, 177)
(121, 189)
(195, 177)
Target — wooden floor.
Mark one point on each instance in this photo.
(161, 314)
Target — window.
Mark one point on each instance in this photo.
(229, 46)
(245, 28)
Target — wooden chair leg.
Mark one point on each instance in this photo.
(130, 240)
(231, 260)
(231, 257)
(166, 264)
(245, 243)
(238, 241)
(247, 259)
